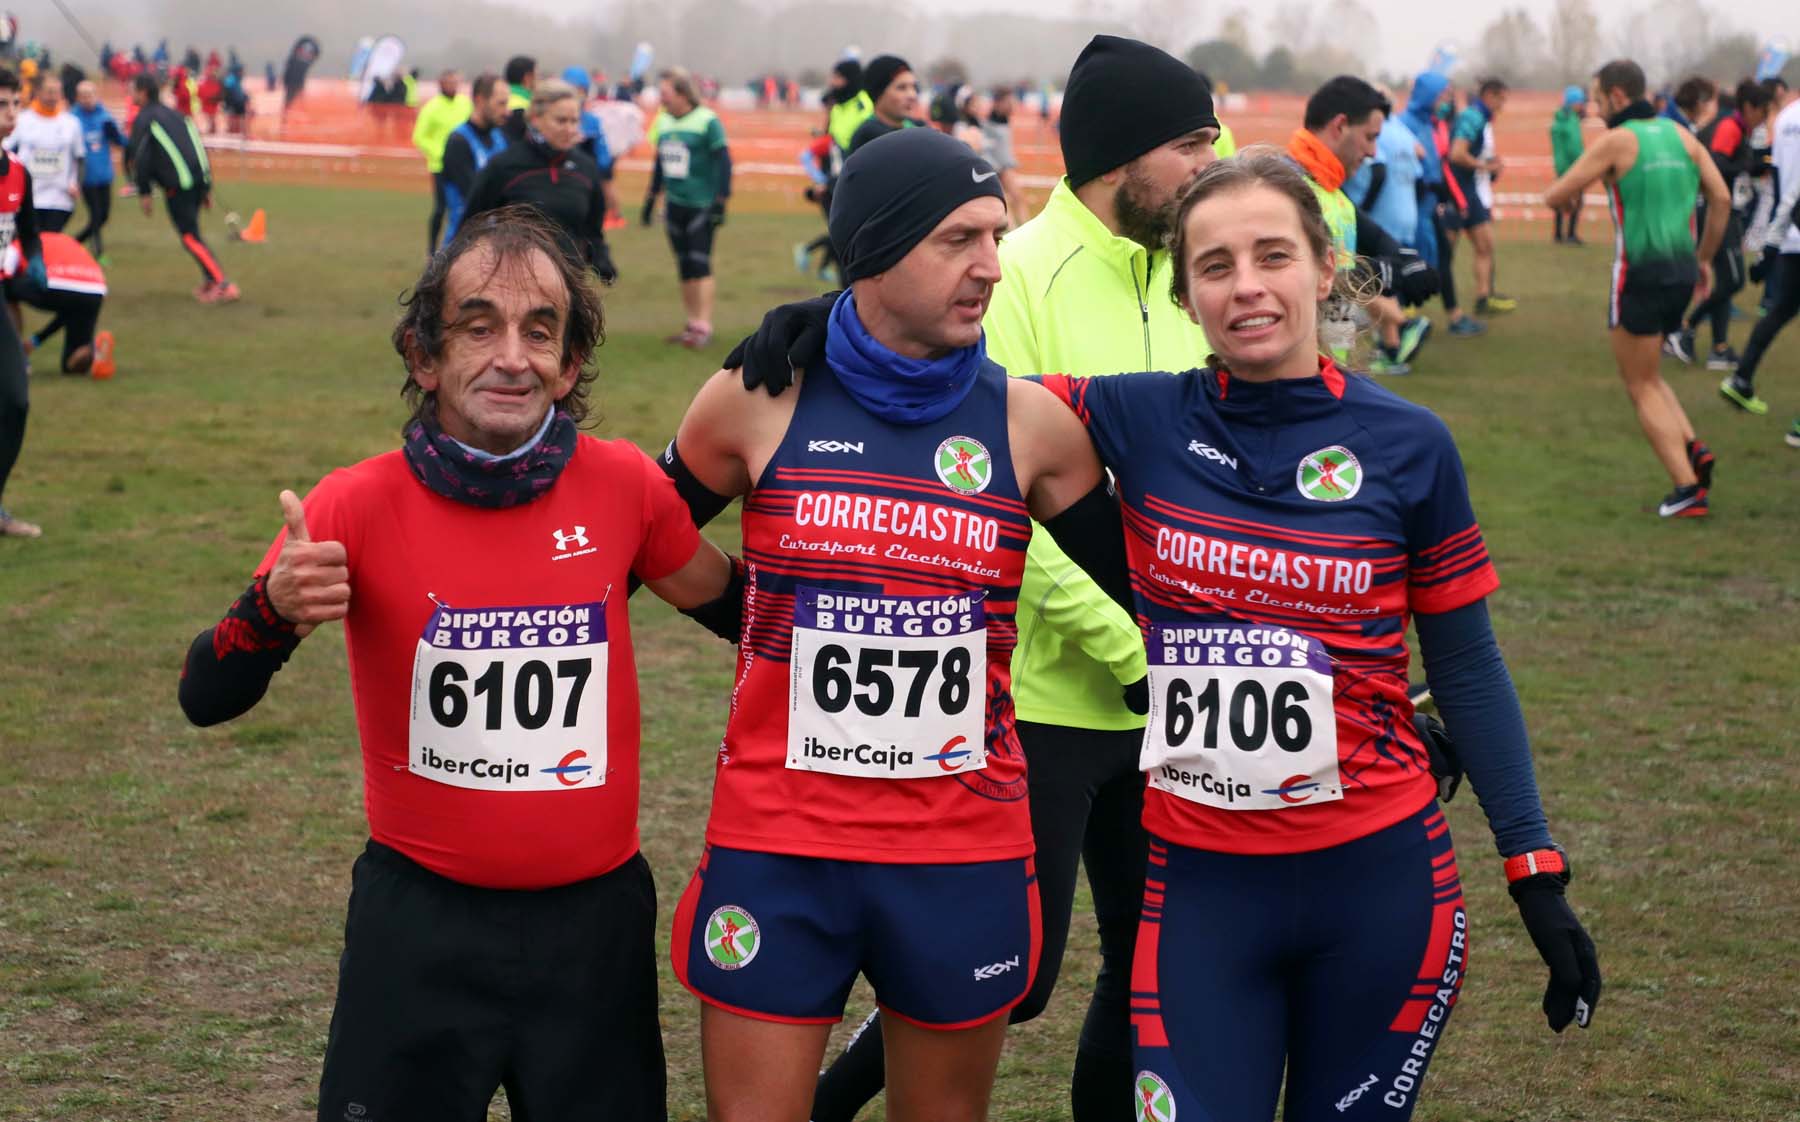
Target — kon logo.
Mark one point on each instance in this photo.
(1208, 452)
(855, 446)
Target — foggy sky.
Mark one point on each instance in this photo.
(462, 31)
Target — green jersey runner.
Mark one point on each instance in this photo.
(687, 151)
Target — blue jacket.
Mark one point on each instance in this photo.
(98, 132)
(1396, 209)
(1420, 116)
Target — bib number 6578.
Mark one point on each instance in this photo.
(874, 689)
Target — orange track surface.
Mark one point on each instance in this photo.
(337, 142)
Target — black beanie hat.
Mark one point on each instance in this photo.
(894, 191)
(880, 73)
(1123, 99)
(851, 72)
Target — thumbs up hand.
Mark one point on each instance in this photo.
(310, 583)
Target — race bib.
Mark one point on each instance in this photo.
(50, 164)
(511, 699)
(674, 157)
(888, 687)
(1240, 717)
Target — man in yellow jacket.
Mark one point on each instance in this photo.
(1085, 290)
(437, 119)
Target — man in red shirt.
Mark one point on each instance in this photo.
(501, 924)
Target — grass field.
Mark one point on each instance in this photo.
(171, 900)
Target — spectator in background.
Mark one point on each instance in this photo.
(471, 145)
(1425, 117)
(432, 127)
(1694, 104)
(1727, 140)
(893, 91)
(47, 139)
(1473, 166)
(1387, 187)
(996, 126)
(99, 134)
(1565, 148)
(593, 142)
(521, 77)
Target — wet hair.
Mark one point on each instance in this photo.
(1491, 86)
(9, 79)
(1693, 91)
(548, 92)
(681, 82)
(1259, 165)
(512, 234)
(518, 67)
(483, 86)
(1351, 96)
(1623, 75)
(1754, 94)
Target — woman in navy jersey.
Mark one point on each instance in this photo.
(1284, 521)
(1303, 912)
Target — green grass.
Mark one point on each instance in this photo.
(171, 899)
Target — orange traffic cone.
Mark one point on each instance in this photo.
(258, 230)
(103, 355)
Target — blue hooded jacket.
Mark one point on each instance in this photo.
(98, 131)
(1420, 116)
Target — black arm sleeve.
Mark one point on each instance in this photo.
(703, 503)
(1372, 240)
(1377, 180)
(724, 191)
(656, 182)
(1092, 533)
(459, 164)
(229, 665)
(723, 616)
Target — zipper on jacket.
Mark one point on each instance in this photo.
(1144, 308)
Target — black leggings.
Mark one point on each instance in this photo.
(1567, 218)
(435, 224)
(1087, 799)
(1446, 261)
(184, 212)
(1784, 282)
(98, 199)
(1727, 280)
(76, 314)
(15, 403)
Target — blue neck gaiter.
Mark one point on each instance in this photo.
(905, 391)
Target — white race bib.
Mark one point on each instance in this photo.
(674, 157)
(50, 164)
(511, 699)
(888, 687)
(1240, 717)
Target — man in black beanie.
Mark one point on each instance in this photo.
(893, 91)
(900, 411)
(1086, 291)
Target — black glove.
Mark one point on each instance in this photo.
(1415, 281)
(1137, 696)
(716, 213)
(1574, 988)
(1446, 765)
(601, 260)
(789, 337)
(648, 214)
(1759, 272)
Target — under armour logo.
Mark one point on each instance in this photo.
(567, 541)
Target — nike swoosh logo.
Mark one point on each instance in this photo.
(979, 178)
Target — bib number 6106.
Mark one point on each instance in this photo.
(1254, 714)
